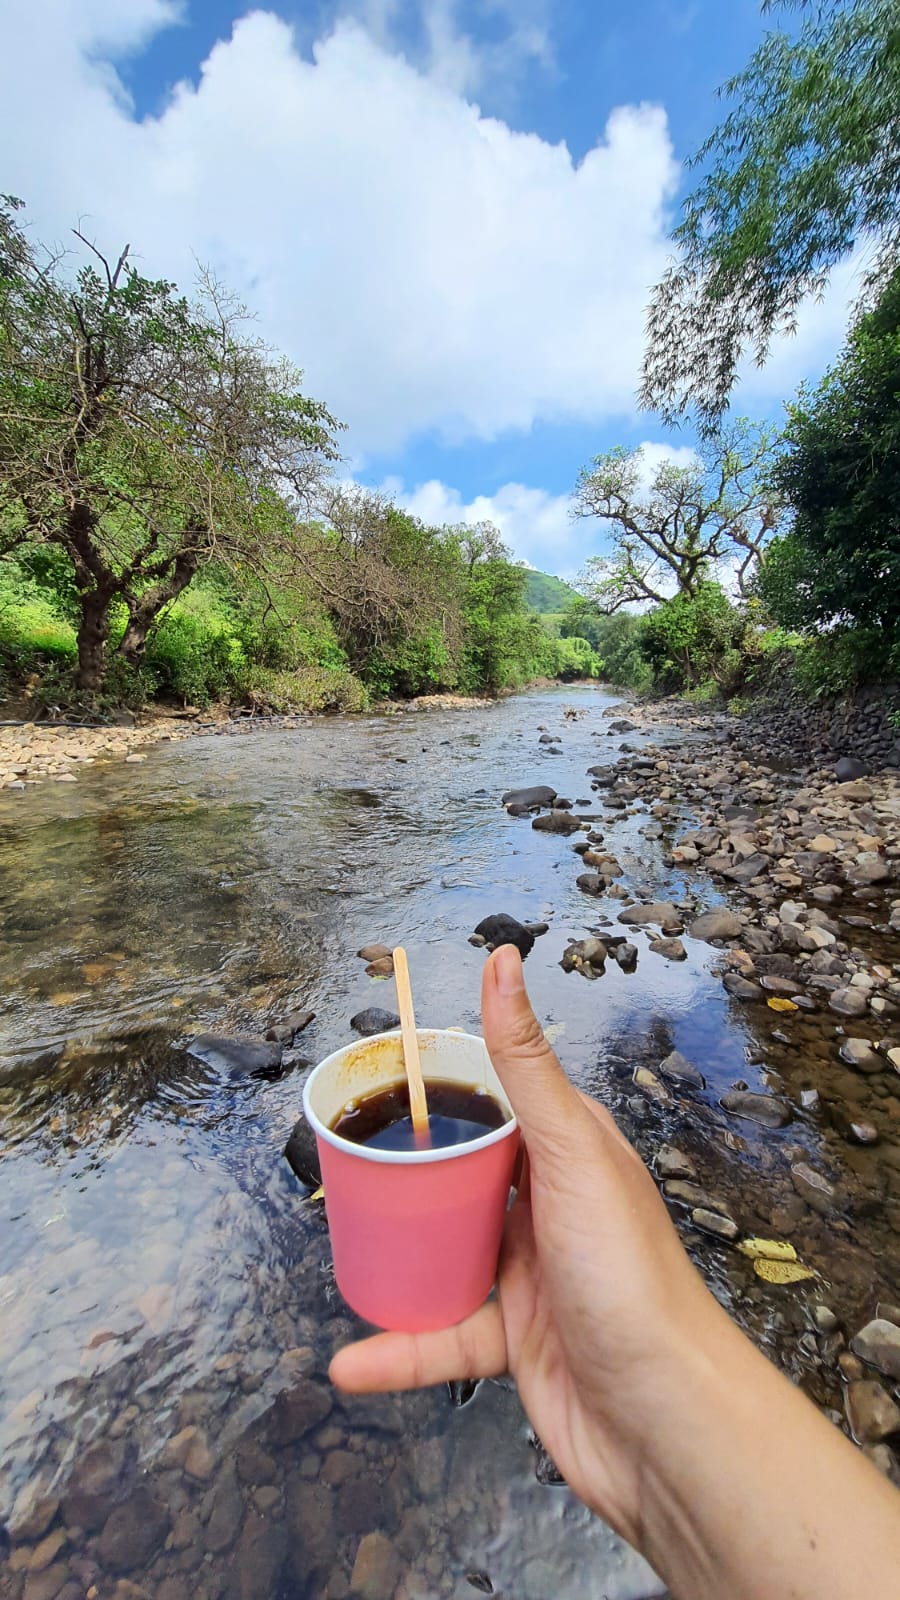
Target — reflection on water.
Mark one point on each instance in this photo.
(168, 1310)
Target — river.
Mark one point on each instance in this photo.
(164, 1277)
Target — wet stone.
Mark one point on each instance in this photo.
(297, 1410)
(260, 1557)
(374, 1020)
(237, 1057)
(848, 1002)
(741, 988)
(871, 1412)
(858, 1053)
(671, 949)
(813, 1187)
(376, 1569)
(132, 1532)
(99, 1478)
(556, 822)
(716, 925)
(878, 1344)
(766, 1109)
(711, 1222)
(678, 1069)
(672, 1163)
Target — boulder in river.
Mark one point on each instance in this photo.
(236, 1056)
(661, 912)
(766, 1109)
(672, 948)
(538, 795)
(678, 1069)
(374, 1020)
(302, 1155)
(718, 924)
(374, 952)
(848, 1002)
(556, 822)
(501, 928)
(285, 1030)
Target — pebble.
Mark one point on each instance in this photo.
(767, 1109)
(678, 1069)
(722, 1227)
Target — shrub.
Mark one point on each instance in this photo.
(306, 689)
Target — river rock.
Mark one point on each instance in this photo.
(237, 1057)
(813, 1187)
(626, 954)
(741, 988)
(858, 1053)
(849, 768)
(374, 1020)
(501, 928)
(99, 1477)
(672, 949)
(298, 1409)
(766, 1109)
(260, 1557)
(711, 1222)
(718, 924)
(871, 1412)
(556, 822)
(659, 911)
(672, 1163)
(582, 953)
(133, 1532)
(848, 1002)
(227, 1510)
(590, 883)
(302, 1155)
(285, 1030)
(678, 1069)
(878, 1344)
(377, 1568)
(382, 968)
(374, 952)
(539, 794)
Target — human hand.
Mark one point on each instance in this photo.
(596, 1297)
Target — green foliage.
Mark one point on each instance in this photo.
(689, 640)
(544, 593)
(840, 467)
(802, 168)
(310, 689)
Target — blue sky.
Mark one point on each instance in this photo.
(449, 213)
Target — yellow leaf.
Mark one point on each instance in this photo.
(319, 1194)
(782, 1271)
(768, 1249)
(777, 1004)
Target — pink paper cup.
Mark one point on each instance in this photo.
(415, 1234)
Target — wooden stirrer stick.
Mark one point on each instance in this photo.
(418, 1105)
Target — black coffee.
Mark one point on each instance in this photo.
(457, 1113)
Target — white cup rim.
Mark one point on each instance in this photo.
(401, 1158)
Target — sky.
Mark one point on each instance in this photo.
(449, 213)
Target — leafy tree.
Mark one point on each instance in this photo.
(840, 469)
(143, 436)
(691, 638)
(804, 167)
(678, 531)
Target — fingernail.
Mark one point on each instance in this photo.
(508, 970)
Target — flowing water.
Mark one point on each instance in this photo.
(165, 1278)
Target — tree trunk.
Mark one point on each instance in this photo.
(93, 633)
(143, 612)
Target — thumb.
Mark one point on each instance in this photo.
(548, 1107)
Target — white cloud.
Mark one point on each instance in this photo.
(537, 526)
(430, 268)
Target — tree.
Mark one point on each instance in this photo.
(392, 587)
(143, 436)
(674, 534)
(804, 168)
(840, 468)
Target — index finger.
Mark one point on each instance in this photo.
(475, 1348)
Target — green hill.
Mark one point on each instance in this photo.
(545, 593)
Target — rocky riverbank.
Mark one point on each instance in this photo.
(795, 880)
(32, 753)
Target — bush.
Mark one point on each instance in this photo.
(305, 689)
(689, 640)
